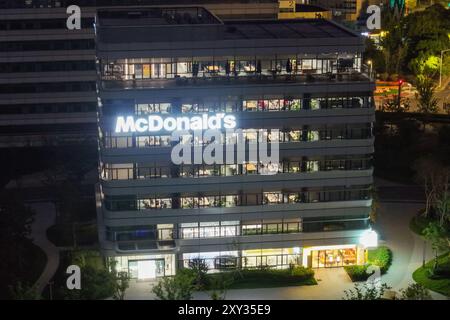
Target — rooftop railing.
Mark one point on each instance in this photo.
(352, 75)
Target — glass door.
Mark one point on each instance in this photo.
(160, 267)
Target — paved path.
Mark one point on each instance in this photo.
(45, 217)
(408, 248)
(331, 285)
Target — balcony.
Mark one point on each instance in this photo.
(145, 245)
(305, 78)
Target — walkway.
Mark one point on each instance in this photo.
(331, 285)
(392, 226)
(45, 217)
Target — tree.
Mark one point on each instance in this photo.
(375, 204)
(434, 176)
(97, 283)
(436, 235)
(122, 284)
(15, 232)
(200, 268)
(428, 103)
(392, 105)
(22, 291)
(220, 284)
(366, 291)
(395, 46)
(443, 207)
(415, 291)
(426, 32)
(178, 287)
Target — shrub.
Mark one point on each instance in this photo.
(178, 287)
(357, 273)
(415, 291)
(384, 76)
(200, 268)
(302, 272)
(381, 257)
(440, 272)
(393, 77)
(264, 278)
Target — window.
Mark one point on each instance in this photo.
(272, 197)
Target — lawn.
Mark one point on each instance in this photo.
(251, 279)
(440, 285)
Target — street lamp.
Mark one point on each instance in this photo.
(440, 67)
(369, 62)
(400, 82)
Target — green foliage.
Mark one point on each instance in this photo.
(426, 276)
(442, 207)
(178, 287)
(381, 257)
(437, 236)
(392, 105)
(357, 272)
(21, 261)
(219, 284)
(200, 267)
(419, 222)
(425, 95)
(425, 64)
(302, 273)
(419, 35)
(415, 291)
(427, 32)
(96, 283)
(366, 291)
(83, 258)
(122, 284)
(266, 278)
(22, 291)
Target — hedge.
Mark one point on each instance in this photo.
(380, 257)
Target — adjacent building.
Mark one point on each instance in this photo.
(300, 82)
(47, 72)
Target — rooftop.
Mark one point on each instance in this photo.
(197, 24)
(156, 16)
(133, 34)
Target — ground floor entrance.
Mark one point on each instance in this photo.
(145, 267)
(333, 256)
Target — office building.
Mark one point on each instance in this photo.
(47, 72)
(300, 82)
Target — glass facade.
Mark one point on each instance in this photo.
(224, 213)
(168, 68)
(311, 195)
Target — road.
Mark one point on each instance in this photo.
(443, 96)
